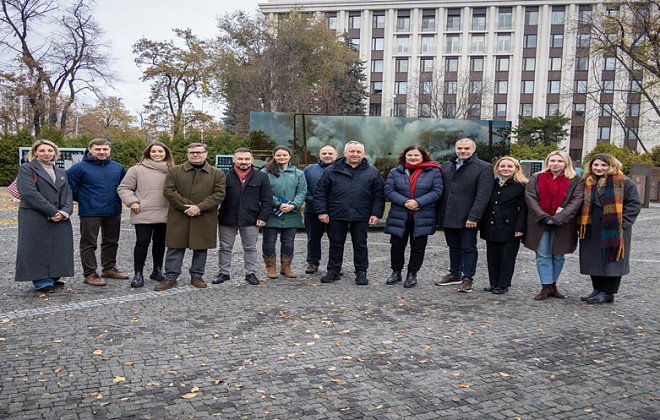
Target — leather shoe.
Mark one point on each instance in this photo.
(252, 279)
(312, 268)
(394, 278)
(198, 282)
(489, 288)
(221, 278)
(164, 285)
(411, 280)
(361, 278)
(157, 274)
(330, 277)
(113, 273)
(94, 280)
(500, 290)
(590, 295)
(138, 279)
(602, 297)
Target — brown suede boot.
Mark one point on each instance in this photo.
(556, 293)
(546, 290)
(271, 266)
(286, 266)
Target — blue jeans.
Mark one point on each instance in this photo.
(463, 252)
(549, 266)
(269, 237)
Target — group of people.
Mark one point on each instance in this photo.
(192, 205)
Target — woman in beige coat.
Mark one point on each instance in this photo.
(142, 191)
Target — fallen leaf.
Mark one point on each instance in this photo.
(194, 389)
(336, 380)
(59, 340)
(261, 391)
(100, 396)
(188, 395)
(426, 347)
(119, 379)
(588, 410)
(506, 375)
(291, 355)
(58, 370)
(464, 386)
(345, 357)
(310, 343)
(218, 381)
(97, 352)
(129, 363)
(316, 336)
(124, 399)
(173, 372)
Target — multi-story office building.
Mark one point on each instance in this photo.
(490, 59)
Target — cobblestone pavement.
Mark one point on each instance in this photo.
(298, 349)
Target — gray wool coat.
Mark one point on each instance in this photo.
(591, 262)
(45, 248)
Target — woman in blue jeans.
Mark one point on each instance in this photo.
(554, 197)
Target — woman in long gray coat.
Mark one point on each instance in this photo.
(45, 237)
(611, 205)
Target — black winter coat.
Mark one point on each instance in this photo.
(348, 194)
(246, 203)
(505, 214)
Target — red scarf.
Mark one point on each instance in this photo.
(414, 173)
(242, 174)
(552, 191)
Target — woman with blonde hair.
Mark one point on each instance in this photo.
(142, 191)
(45, 238)
(610, 207)
(504, 223)
(553, 196)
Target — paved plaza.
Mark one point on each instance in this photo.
(299, 349)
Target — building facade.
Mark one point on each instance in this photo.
(491, 60)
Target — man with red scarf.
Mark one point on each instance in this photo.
(468, 182)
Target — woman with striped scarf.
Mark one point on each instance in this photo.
(611, 205)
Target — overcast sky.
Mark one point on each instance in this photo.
(126, 21)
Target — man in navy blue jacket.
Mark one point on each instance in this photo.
(349, 196)
(314, 227)
(94, 182)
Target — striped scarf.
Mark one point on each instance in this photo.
(611, 235)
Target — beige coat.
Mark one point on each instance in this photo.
(203, 187)
(143, 184)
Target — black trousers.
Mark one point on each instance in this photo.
(606, 284)
(501, 262)
(144, 235)
(417, 248)
(337, 231)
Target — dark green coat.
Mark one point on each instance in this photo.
(292, 185)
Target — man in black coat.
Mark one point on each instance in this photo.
(246, 208)
(349, 196)
(468, 183)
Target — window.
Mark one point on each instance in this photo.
(503, 43)
(526, 110)
(635, 86)
(354, 22)
(428, 44)
(428, 23)
(475, 87)
(504, 20)
(631, 133)
(583, 40)
(552, 109)
(378, 21)
(580, 86)
(376, 66)
(584, 17)
(399, 110)
(606, 110)
(609, 63)
(502, 64)
(502, 87)
(603, 133)
(332, 22)
(531, 17)
(452, 44)
(426, 65)
(376, 88)
(451, 64)
(527, 87)
(529, 64)
(582, 64)
(529, 41)
(375, 110)
(556, 41)
(608, 86)
(426, 88)
(558, 17)
(555, 63)
(402, 44)
(478, 43)
(400, 88)
(612, 12)
(454, 20)
(475, 110)
(355, 42)
(451, 88)
(424, 110)
(554, 86)
(449, 110)
(377, 44)
(500, 110)
(401, 65)
(403, 24)
(633, 110)
(579, 109)
(479, 20)
(477, 64)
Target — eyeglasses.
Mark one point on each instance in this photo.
(197, 153)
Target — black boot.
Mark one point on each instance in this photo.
(411, 280)
(138, 280)
(394, 278)
(601, 297)
(157, 274)
(590, 295)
